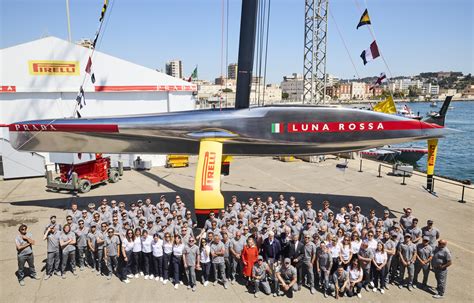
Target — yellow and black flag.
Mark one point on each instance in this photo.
(364, 19)
(104, 9)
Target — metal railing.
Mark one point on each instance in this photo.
(416, 173)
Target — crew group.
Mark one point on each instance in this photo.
(272, 246)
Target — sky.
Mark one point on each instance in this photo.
(413, 35)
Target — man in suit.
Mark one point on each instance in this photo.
(296, 253)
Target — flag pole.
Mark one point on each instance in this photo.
(68, 22)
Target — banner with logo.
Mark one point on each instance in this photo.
(207, 187)
(53, 68)
(432, 149)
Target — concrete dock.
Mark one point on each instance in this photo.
(27, 201)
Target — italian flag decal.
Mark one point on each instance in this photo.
(277, 128)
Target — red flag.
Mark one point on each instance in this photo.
(88, 66)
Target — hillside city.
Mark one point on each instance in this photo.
(423, 87)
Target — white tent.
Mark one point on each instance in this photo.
(40, 79)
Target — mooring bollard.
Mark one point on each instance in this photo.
(462, 196)
(360, 167)
(380, 171)
(404, 174)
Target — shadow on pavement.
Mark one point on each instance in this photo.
(187, 195)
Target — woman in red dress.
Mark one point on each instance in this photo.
(249, 257)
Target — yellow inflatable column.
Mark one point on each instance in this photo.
(432, 149)
(207, 187)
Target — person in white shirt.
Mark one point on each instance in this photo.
(379, 261)
(136, 252)
(334, 248)
(157, 249)
(372, 243)
(177, 260)
(146, 254)
(127, 247)
(355, 279)
(205, 260)
(355, 243)
(345, 252)
(167, 251)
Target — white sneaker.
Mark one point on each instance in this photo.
(359, 295)
(141, 273)
(161, 279)
(157, 279)
(176, 286)
(130, 276)
(165, 281)
(371, 284)
(206, 283)
(215, 283)
(136, 276)
(126, 281)
(382, 291)
(146, 277)
(194, 288)
(225, 285)
(181, 283)
(374, 289)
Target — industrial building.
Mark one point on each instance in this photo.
(41, 79)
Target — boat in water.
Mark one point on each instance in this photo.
(433, 104)
(408, 113)
(409, 155)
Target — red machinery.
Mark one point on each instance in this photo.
(83, 176)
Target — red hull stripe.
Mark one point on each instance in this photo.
(79, 128)
(125, 88)
(131, 88)
(205, 211)
(357, 126)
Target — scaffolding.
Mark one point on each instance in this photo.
(315, 42)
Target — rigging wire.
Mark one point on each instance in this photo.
(345, 45)
(227, 50)
(266, 52)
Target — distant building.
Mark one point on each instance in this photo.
(340, 91)
(232, 71)
(358, 90)
(174, 68)
(430, 89)
(293, 86)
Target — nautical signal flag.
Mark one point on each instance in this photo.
(371, 53)
(387, 106)
(379, 81)
(104, 9)
(364, 19)
(89, 65)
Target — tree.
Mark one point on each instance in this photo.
(284, 96)
(227, 90)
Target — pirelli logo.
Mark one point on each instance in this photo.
(53, 68)
(207, 181)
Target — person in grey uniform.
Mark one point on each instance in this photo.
(191, 262)
(324, 265)
(24, 242)
(309, 257)
(287, 278)
(440, 262)
(217, 253)
(260, 272)
(100, 244)
(340, 282)
(52, 262)
(92, 247)
(407, 254)
(431, 232)
(424, 253)
(67, 242)
(81, 239)
(236, 246)
(111, 252)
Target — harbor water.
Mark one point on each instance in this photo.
(455, 152)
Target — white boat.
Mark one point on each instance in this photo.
(434, 104)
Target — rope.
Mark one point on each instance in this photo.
(344, 42)
(266, 53)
